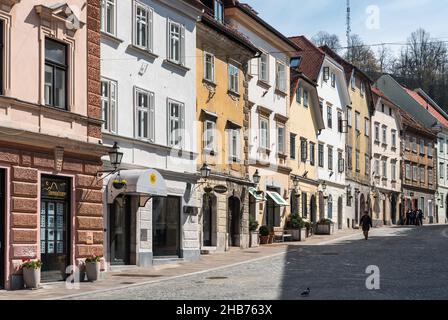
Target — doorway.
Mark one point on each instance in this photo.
(55, 228)
(120, 231)
(2, 228)
(313, 206)
(340, 217)
(384, 213)
(166, 226)
(394, 209)
(234, 221)
(208, 220)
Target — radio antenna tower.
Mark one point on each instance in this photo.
(349, 29)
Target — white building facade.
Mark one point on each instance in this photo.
(386, 161)
(148, 70)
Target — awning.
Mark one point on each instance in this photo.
(256, 195)
(278, 199)
(148, 183)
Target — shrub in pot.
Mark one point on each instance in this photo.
(253, 226)
(264, 234)
(324, 226)
(93, 268)
(297, 224)
(31, 273)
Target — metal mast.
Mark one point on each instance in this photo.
(349, 29)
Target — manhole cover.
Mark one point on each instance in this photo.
(217, 278)
(127, 282)
(129, 275)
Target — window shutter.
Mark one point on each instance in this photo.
(168, 123)
(151, 119)
(182, 45)
(135, 114)
(134, 23)
(150, 31)
(113, 107)
(182, 124)
(168, 41)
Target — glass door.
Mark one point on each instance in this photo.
(166, 226)
(54, 229)
(119, 226)
(207, 221)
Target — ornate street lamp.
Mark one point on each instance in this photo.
(115, 156)
(295, 182)
(324, 188)
(205, 171)
(256, 177)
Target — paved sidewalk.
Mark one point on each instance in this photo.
(139, 276)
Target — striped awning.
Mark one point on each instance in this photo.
(278, 199)
(258, 196)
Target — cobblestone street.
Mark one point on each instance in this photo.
(412, 264)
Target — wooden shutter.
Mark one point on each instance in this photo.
(151, 117)
(182, 45)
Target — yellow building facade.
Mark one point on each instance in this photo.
(221, 112)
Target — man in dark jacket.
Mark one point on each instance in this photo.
(366, 224)
(420, 217)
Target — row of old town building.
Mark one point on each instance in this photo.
(146, 131)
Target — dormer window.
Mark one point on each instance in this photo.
(219, 11)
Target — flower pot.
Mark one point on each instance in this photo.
(93, 270)
(303, 234)
(264, 239)
(31, 278)
(119, 185)
(324, 229)
(254, 239)
(295, 234)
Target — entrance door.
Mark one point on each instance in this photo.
(120, 235)
(166, 226)
(207, 221)
(234, 222)
(2, 228)
(384, 213)
(54, 228)
(394, 209)
(313, 206)
(340, 213)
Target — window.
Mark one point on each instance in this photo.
(358, 166)
(382, 107)
(341, 164)
(390, 112)
(176, 42)
(377, 132)
(408, 171)
(280, 77)
(234, 145)
(422, 204)
(394, 139)
(233, 78)
(441, 148)
(353, 81)
(209, 136)
(176, 124)
(349, 158)
(219, 11)
(306, 98)
(142, 26)
(377, 168)
(109, 105)
(329, 117)
(340, 123)
(330, 158)
(430, 152)
(363, 89)
(263, 71)
(292, 146)
(415, 173)
(384, 169)
(422, 146)
(430, 177)
(408, 143)
(299, 93)
(414, 144)
(108, 16)
(441, 170)
(320, 155)
(326, 74)
(447, 171)
(367, 127)
(367, 165)
(442, 200)
(349, 117)
(312, 153)
(304, 204)
(303, 150)
(209, 67)
(422, 174)
(264, 133)
(281, 139)
(384, 135)
(358, 122)
(55, 74)
(393, 171)
(333, 80)
(144, 114)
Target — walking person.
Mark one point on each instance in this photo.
(408, 217)
(420, 217)
(366, 223)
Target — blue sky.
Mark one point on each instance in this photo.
(397, 18)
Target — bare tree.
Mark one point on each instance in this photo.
(323, 38)
(385, 59)
(361, 55)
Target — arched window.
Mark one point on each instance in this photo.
(330, 207)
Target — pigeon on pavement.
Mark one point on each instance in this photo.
(306, 293)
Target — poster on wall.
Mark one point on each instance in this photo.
(60, 247)
(50, 235)
(50, 221)
(50, 247)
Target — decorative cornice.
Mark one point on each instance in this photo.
(59, 12)
(6, 5)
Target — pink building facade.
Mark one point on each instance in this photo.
(50, 136)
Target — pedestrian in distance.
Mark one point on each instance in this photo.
(408, 217)
(366, 224)
(420, 217)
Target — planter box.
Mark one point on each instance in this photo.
(264, 239)
(31, 277)
(254, 239)
(93, 271)
(297, 234)
(324, 229)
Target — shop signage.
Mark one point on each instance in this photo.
(54, 188)
(220, 189)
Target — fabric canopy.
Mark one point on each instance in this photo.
(256, 195)
(278, 199)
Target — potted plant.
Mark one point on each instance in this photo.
(31, 273)
(264, 234)
(325, 227)
(93, 268)
(253, 226)
(297, 227)
(119, 183)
